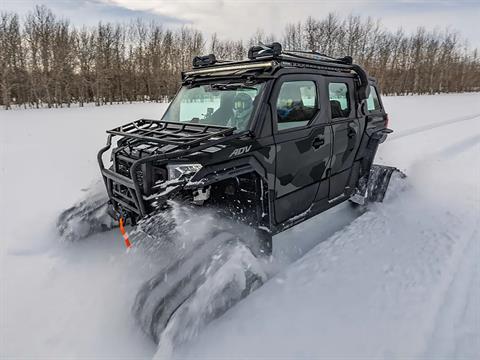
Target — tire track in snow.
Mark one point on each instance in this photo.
(423, 128)
(460, 147)
(452, 327)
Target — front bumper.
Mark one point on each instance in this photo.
(132, 191)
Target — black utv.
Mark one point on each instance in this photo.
(282, 137)
(271, 141)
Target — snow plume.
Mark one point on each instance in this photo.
(87, 216)
(232, 274)
(203, 265)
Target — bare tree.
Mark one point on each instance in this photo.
(11, 59)
(45, 61)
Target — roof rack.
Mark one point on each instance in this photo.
(271, 56)
(170, 133)
(313, 55)
(275, 51)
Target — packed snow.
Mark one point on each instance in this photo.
(401, 280)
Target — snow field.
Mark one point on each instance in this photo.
(401, 280)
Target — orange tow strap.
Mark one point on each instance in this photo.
(125, 235)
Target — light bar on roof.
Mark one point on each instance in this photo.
(216, 69)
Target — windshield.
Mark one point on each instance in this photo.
(224, 104)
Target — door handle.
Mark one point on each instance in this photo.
(317, 142)
(351, 132)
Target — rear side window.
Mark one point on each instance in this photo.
(296, 104)
(372, 102)
(339, 100)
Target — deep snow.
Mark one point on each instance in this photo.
(399, 281)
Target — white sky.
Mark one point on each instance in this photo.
(240, 19)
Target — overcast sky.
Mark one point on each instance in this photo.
(239, 19)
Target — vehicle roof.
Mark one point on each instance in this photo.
(265, 65)
(266, 61)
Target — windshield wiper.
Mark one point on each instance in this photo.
(236, 86)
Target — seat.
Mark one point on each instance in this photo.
(224, 111)
(294, 111)
(336, 109)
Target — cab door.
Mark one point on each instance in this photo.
(346, 134)
(303, 141)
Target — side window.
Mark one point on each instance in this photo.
(339, 100)
(372, 101)
(296, 104)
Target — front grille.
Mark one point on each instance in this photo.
(140, 176)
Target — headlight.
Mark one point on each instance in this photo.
(176, 171)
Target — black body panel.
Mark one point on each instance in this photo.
(303, 154)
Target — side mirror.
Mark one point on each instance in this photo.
(363, 109)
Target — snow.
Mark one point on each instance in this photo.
(401, 280)
(65, 300)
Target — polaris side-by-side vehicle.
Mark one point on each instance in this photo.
(270, 141)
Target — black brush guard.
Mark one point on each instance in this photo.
(151, 141)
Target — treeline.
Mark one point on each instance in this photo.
(45, 61)
(426, 62)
